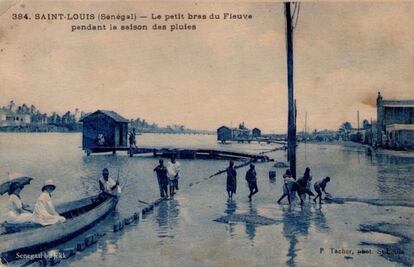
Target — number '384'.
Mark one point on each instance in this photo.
(19, 16)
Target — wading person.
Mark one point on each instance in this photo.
(288, 184)
(108, 185)
(162, 178)
(304, 183)
(44, 212)
(320, 186)
(231, 180)
(252, 181)
(18, 212)
(173, 168)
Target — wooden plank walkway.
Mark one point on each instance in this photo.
(184, 153)
(259, 140)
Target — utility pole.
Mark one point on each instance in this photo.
(306, 125)
(291, 104)
(358, 121)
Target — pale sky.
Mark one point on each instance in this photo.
(224, 72)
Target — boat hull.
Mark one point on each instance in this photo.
(33, 241)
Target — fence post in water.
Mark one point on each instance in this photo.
(81, 246)
(42, 263)
(68, 252)
(272, 175)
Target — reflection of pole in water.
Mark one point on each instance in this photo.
(292, 251)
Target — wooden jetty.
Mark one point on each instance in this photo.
(259, 140)
(107, 131)
(183, 153)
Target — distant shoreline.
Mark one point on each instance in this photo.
(78, 129)
(49, 128)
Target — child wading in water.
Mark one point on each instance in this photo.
(320, 186)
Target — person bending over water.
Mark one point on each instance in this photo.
(304, 183)
(288, 184)
(320, 186)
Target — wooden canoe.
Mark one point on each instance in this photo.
(80, 216)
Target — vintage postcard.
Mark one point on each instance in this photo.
(206, 133)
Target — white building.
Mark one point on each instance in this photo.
(10, 118)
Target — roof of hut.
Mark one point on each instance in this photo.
(112, 114)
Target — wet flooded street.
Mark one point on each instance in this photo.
(200, 227)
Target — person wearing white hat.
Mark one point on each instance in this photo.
(44, 211)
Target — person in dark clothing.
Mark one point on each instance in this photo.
(132, 138)
(304, 183)
(231, 180)
(320, 186)
(252, 181)
(162, 177)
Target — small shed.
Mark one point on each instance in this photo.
(103, 131)
(224, 134)
(256, 132)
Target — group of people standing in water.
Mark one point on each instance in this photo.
(301, 186)
(44, 212)
(168, 177)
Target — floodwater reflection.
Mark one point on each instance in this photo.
(320, 220)
(167, 217)
(295, 223)
(231, 207)
(251, 227)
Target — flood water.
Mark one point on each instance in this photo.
(183, 231)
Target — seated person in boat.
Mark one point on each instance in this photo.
(18, 212)
(108, 185)
(44, 211)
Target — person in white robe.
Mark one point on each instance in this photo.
(173, 168)
(44, 211)
(18, 212)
